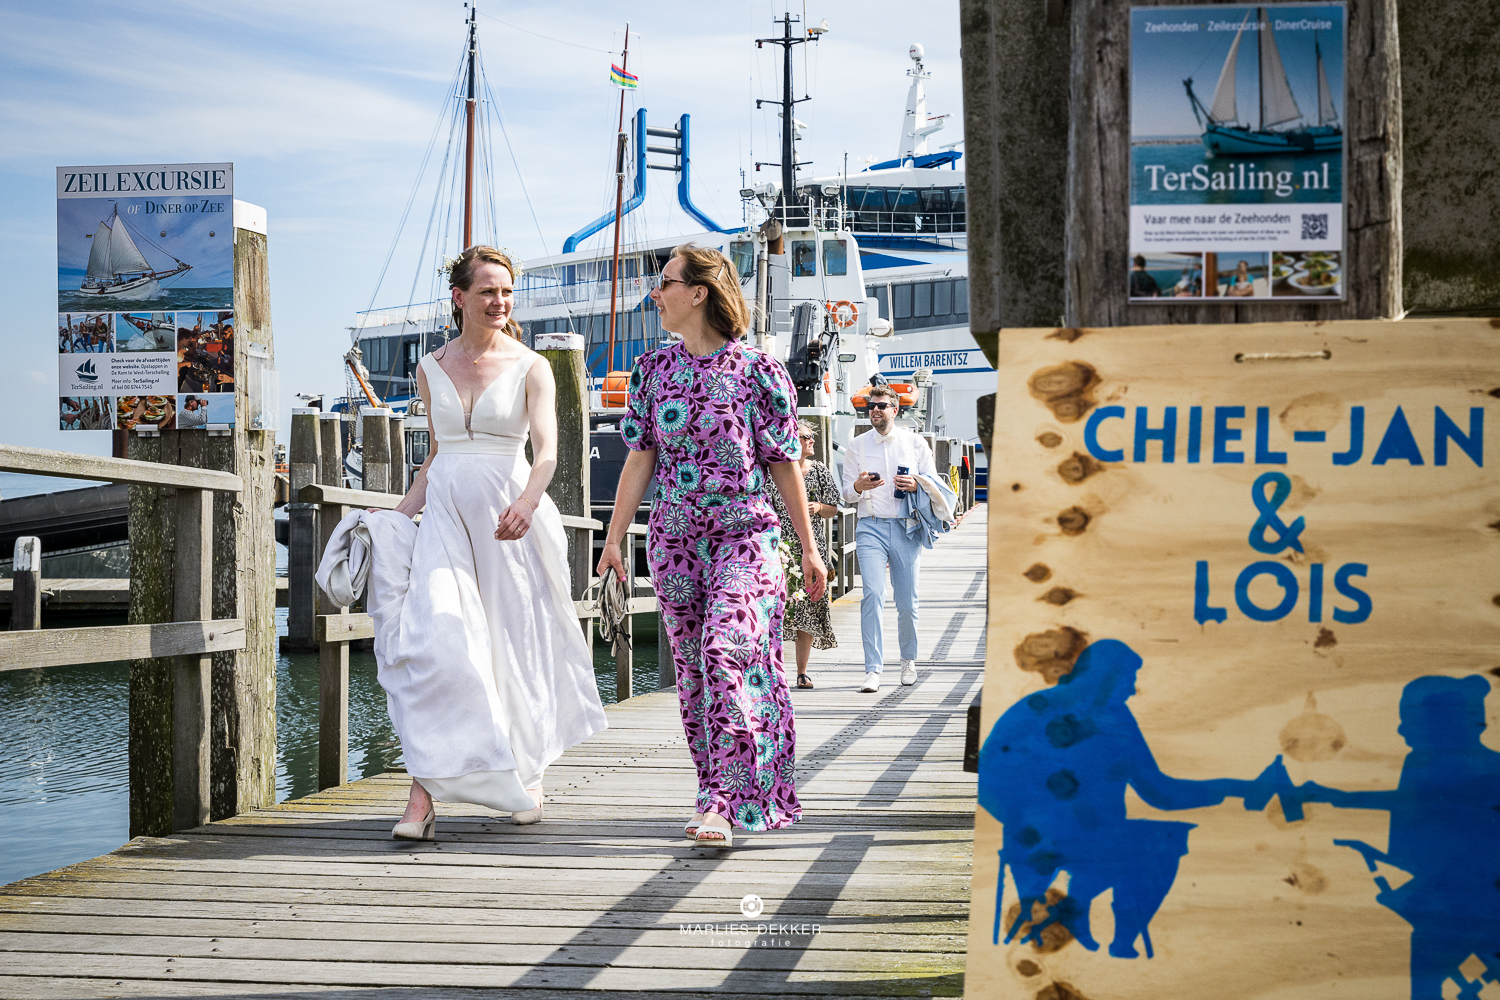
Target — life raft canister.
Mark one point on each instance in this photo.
(904, 390)
(616, 393)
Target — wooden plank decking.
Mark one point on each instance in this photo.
(312, 897)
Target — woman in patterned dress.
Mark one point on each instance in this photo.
(807, 620)
(715, 421)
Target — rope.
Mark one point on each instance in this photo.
(613, 605)
(1285, 356)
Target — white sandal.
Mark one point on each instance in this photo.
(714, 836)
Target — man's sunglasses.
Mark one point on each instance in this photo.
(881, 406)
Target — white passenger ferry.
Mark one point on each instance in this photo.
(859, 275)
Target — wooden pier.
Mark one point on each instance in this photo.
(312, 897)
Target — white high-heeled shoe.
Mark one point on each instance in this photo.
(423, 829)
(528, 816)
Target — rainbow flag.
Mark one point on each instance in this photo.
(620, 78)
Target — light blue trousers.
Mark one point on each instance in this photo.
(882, 545)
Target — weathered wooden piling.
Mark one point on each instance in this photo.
(302, 536)
(375, 449)
(333, 657)
(26, 593)
(242, 768)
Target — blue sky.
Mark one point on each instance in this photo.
(1162, 60)
(326, 109)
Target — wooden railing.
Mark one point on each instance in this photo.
(191, 639)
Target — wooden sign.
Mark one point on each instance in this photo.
(1244, 625)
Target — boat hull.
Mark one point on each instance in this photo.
(1221, 141)
(140, 288)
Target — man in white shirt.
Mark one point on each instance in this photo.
(873, 484)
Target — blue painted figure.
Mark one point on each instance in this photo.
(1054, 770)
(1445, 831)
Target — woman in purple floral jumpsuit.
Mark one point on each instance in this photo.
(716, 422)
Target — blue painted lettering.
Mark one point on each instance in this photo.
(1223, 434)
(1397, 442)
(1263, 453)
(1091, 434)
(1444, 429)
(1166, 434)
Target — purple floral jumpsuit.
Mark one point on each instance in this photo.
(716, 423)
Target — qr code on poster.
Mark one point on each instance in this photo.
(1315, 227)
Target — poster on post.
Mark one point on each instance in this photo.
(1237, 152)
(145, 294)
(1240, 736)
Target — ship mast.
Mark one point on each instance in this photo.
(614, 271)
(468, 240)
(788, 103)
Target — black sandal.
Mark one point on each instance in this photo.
(803, 681)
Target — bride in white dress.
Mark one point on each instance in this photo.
(488, 676)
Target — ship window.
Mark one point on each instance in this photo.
(922, 300)
(904, 200)
(956, 201)
(880, 293)
(835, 257)
(901, 295)
(942, 298)
(417, 446)
(961, 296)
(804, 258)
(743, 255)
(935, 200)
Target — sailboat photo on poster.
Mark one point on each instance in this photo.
(1237, 152)
(150, 238)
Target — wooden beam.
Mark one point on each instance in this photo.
(570, 521)
(56, 647)
(192, 694)
(333, 657)
(344, 628)
(65, 464)
(348, 498)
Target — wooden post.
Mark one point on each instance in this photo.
(398, 456)
(302, 547)
(624, 655)
(570, 485)
(26, 593)
(192, 694)
(330, 451)
(375, 449)
(333, 678)
(242, 767)
(1015, 80)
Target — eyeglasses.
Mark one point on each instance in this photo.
(662, 281)
(808, 437)
(880, 406)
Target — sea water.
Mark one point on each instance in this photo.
(170, 300)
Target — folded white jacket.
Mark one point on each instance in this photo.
(345, 568)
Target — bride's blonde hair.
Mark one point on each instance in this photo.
(461, 276)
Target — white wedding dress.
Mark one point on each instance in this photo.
(488, 676)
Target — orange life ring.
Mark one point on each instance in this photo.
(844, 313)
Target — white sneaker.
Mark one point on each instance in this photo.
(908, 672)
(872, 682)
